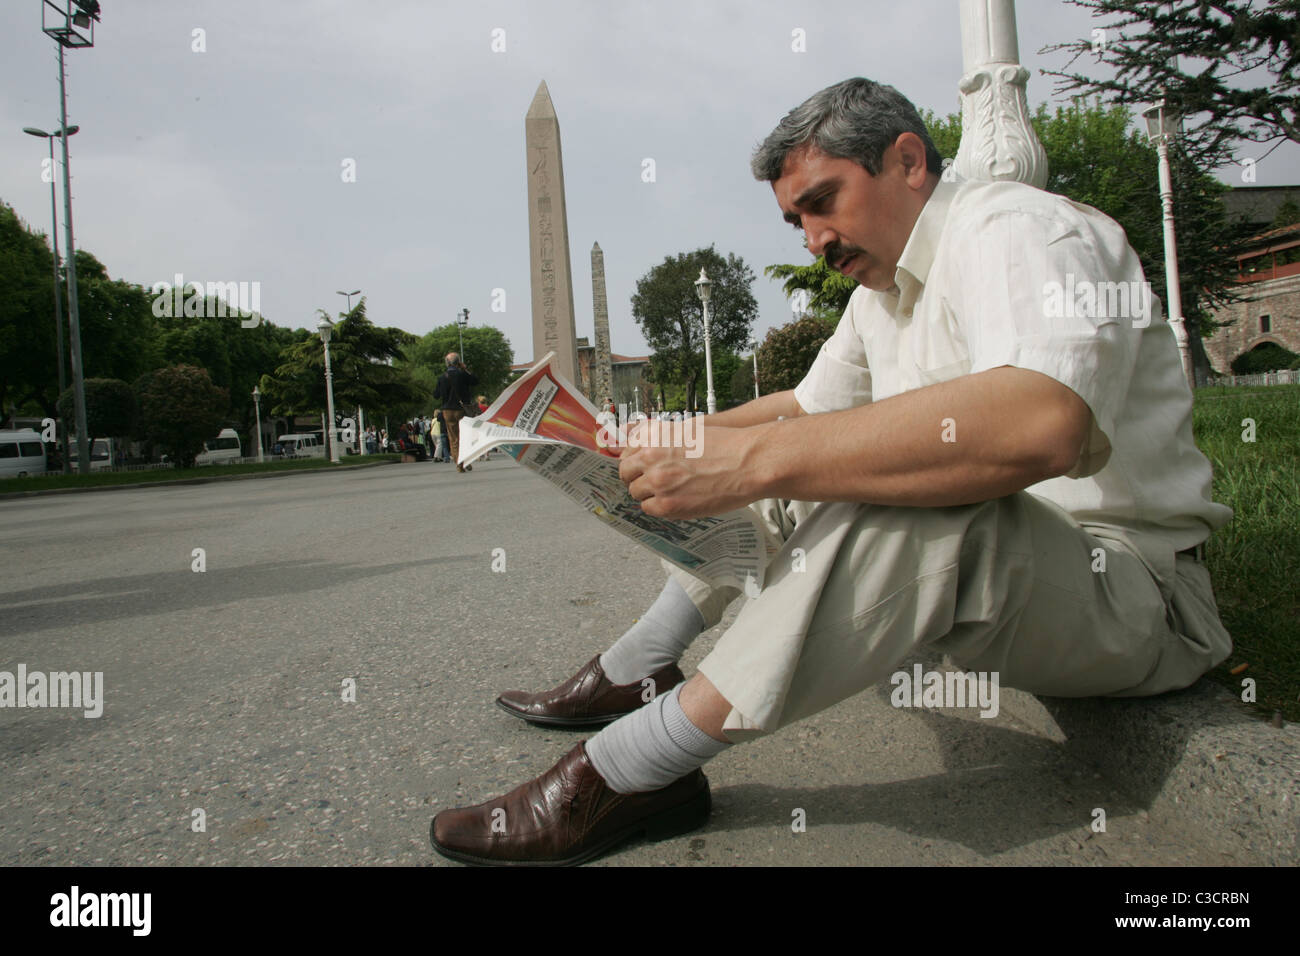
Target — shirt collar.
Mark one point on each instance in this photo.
(918, 255)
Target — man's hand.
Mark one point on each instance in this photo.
(689, 469)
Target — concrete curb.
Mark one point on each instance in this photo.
(1193, 758)
(191, 481)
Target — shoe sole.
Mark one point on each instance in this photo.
(575, 722)
(665, 825)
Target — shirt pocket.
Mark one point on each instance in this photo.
(939, 352)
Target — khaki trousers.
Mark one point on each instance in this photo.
(1007, 585)
(451, 418)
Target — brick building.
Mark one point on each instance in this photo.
(1269, 272)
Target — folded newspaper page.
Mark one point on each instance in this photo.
(549, 427)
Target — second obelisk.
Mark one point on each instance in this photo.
(548, 233)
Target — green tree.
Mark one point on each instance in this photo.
(360, 357)
(119, 336)
(1288, 214)
(1265, 357)
(788, 352)
(1142, 48)
(179, 408)
(110, 408)
(28, 356)
(668, 310)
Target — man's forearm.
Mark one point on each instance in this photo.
(972, 439)
(768, 408)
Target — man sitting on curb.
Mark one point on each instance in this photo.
(971, 467)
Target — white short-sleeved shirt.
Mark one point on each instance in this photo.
(998, 274)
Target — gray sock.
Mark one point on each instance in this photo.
(658, 639)
(651, 747)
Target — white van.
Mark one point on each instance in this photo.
(300, 446)
(103, 453)
(21, 454)
(224, 448)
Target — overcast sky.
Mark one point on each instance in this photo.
(226, 165)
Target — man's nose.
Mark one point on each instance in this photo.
(818, 236)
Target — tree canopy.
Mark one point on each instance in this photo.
(360, 356)
(1228, 66)
(671, 316)
(487, 354)
(179, 408)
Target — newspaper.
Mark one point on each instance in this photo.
(549, 427)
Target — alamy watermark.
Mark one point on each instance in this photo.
(216, 300)
(674, 430)
(1084, 298)
(946, 689)
(76, 689)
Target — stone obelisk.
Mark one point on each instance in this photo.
(602, 367)
(548, 233)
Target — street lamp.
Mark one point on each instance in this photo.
(257, 408)
(58, 299)
(325, 328)
(349, 296)
(462, 322)
(64, 24)
(361, 415)
(704, 289)
(1163, 124)
(754, 346)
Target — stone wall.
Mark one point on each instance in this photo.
(1277, 298)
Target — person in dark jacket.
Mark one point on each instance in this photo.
(455, 390)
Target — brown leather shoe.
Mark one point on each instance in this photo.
(567, 816)
(586, 698)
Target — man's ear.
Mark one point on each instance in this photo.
(911, 154)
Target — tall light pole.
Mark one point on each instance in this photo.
(462, 322)
(257, 408)
(754, 346)
(361, 417)
(349, 296)
(704, 289)
(1163, 124)
(64, 24)
(58, 298)
(325, 328)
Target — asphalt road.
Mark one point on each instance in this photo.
(224, 691)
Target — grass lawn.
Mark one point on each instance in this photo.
(1255, 560)
(100, 479)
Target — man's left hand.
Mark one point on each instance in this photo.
(689, 469)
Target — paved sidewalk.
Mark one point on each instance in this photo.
(224, 693)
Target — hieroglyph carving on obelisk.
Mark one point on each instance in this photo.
(602, 365)
(548, 233)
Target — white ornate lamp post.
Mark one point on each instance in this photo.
(1163, 124)
(325, 327)
(998, 143)
(704, 289)
(257, 409)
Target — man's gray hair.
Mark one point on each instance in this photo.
(856, 119)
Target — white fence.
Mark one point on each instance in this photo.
(1290, 376)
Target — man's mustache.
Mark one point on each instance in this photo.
(837, 252)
